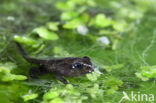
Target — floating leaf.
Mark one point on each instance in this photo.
(4, 70)
(31, 96)
(81, 10)
(56, 100)
(45, 34)
(53, 26)
(115, 43)
(110, 91)
(153, 72)
(130, 13)
(110, 68)
(73, 24)
(102, 21)
(69, 5)
(5, 73)
(50, 95)
(69, 86)
(85, 17)
(91, 3)
(10, 77)
(91, 77)
(141, 77)
(57, 50)
(111, 82)
(95, 91)
(120, 26)
(146, 72)
(20, 77)
(24, 40)
(68, 15)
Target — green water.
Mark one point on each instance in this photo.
(135, 49)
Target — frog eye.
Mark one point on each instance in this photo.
(77, 66)
(86, 57)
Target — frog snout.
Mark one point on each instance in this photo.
(91, 69)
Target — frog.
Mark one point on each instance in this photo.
(60, 67)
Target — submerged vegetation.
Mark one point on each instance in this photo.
(118, 36)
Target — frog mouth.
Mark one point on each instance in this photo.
(91, 70)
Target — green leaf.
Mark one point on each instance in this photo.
(69, 5)
(68, 15)
(85, 17)
(28, 97)
(120, 26)
(110, 68)
(96, 86)
(82, 9)
(91, 77)
(10, 77)
(91, 3)
(45, 34)
(69, 86)
(50, 95)
(57, 50)
(115, 44)
(20, 77)
(4, 68)
(130, 13)
(110, 91)
(153, 72)
(24, 40)
(72, 24)
(141, 77)
(102, 21)
(5, 73)
(56, 100)
(53, 26)
(146, 72)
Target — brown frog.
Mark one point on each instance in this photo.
(60, 67)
